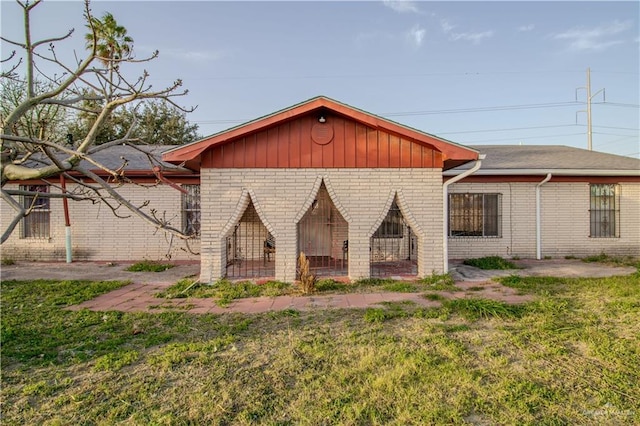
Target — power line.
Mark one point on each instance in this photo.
(618, 128)
(431, 112)
(617, 104)
(507, 130)
(482, 109)
(520, 138)
(614, 134)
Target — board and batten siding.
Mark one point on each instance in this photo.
(344, 143)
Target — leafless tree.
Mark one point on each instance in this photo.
(95, 83)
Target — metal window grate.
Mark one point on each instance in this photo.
(37, 223)
(604, 211)
(475, 215)
(191, 210)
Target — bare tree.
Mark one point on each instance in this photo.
(94, 84)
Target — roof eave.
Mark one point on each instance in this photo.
(449, 149)
(541, 172)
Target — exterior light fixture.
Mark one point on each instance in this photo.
(321, 119)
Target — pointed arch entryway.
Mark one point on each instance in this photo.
(323, 234)
(250, 247)
(394, 245)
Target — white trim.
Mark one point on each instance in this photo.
(538, 215)
(556, 172)
(445, 209)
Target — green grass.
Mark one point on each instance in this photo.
(149, 266)
(225, 291)
(568, 357)
(613, 260)
(490, 262)
(439, 282)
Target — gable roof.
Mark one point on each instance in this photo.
(453, 154)
(556, 159)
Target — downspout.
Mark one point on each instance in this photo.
(445, 202)
(67, 220)
(538, 219)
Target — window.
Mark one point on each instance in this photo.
(475, 215)
(393, 224)
(191, 210)
(36, 224)
(605, 211)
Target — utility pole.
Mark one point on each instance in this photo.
(588, 111)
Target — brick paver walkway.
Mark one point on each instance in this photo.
(140, 297)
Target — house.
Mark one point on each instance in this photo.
(545, 201)
(99, 233)
(360, 195)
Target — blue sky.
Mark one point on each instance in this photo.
(471, 72)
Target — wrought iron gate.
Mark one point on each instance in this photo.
(394, 247)
(250, 249)
(323, 237)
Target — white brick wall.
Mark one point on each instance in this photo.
(98, 235)
(565, 222)
(282, 196)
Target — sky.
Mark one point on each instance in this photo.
(502, 72)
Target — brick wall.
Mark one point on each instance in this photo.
(98, 235)
(282, 196)
(565, 222)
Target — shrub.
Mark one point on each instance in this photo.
(149, 266)
(490, 262)
(307, 279)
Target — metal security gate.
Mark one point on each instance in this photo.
(393, 247)
(250, 249)
(322, 236)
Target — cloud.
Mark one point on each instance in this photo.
(475, 38)
(402, 6)
(416, 35)
(183, 55)
(446, 26)
(598, 38)
(525, 28)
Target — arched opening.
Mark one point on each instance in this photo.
(323, 237)
(251, 248)
(394, 247)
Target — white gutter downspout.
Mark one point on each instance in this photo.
(538, 220)
(445, 202)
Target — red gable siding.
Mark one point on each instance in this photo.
(290, 144)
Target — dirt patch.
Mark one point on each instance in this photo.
(94, 271)
(101, 271)
(573, 268)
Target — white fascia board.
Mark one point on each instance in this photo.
(538, 172)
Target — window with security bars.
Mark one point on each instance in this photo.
(36, 223)
(191, 210)
(393, 224)
(604, 210)
(475, 215)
